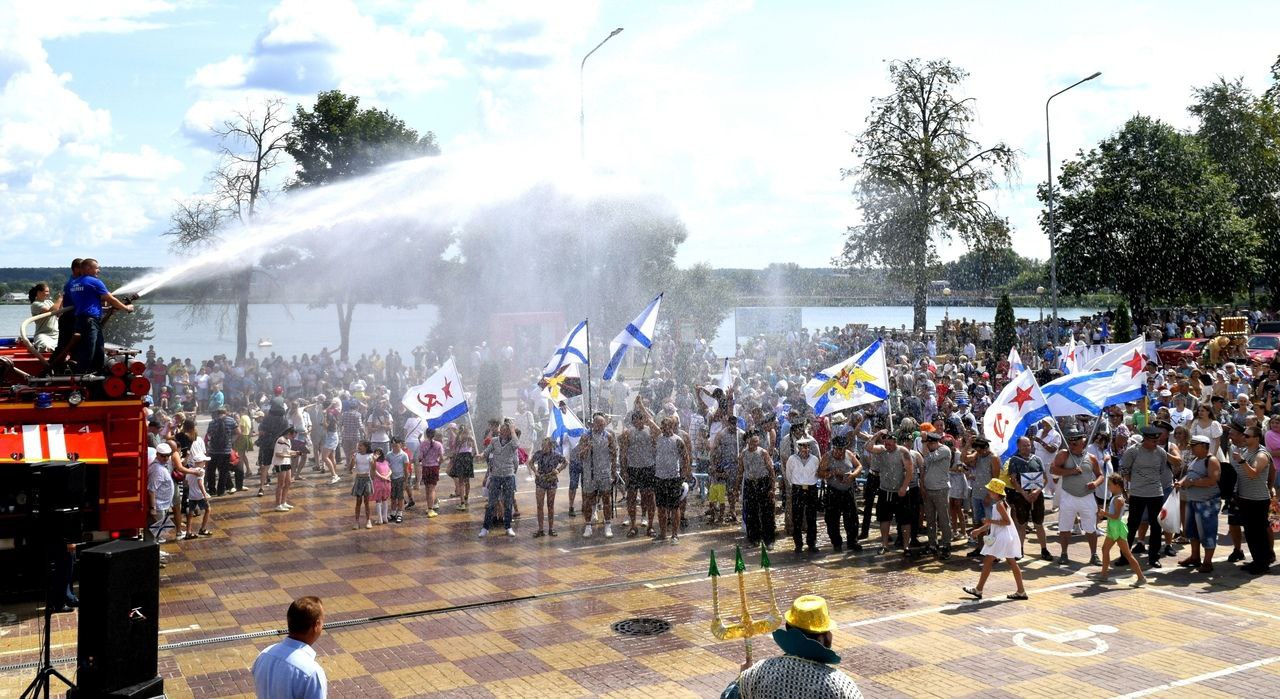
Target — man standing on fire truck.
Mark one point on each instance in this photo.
(87, 294)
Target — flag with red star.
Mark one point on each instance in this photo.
(440, 399)
(1020, 405)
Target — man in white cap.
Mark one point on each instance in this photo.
(160, 486)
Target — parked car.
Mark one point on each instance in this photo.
(1267, 327)
(1262, 347)
(1172, 353)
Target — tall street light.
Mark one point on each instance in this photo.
(1053, 243)
(1040, 302)
(582, 108)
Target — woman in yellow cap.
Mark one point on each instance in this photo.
(1000, 540)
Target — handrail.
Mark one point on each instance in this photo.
(22, 333)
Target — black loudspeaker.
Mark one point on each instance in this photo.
(119, 617)
(61, 487)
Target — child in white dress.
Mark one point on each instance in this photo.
(1001, 541)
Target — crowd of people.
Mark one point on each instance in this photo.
(754, 450)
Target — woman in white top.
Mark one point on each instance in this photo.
(1204, 425)
(46, 336)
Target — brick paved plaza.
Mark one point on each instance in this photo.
(536, 614)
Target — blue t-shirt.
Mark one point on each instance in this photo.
(86, 295)
(66, 295)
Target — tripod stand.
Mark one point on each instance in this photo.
(44, 677)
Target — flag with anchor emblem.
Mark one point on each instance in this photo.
(1020, 405)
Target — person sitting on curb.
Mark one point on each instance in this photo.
(808, 668)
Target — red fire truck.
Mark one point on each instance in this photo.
(50, 421)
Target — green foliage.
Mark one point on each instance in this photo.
(548, 251)
(338, 139)
(695, 299)
(921, 177)
(488, 405)
(1148, 215)
(130, 329)
(1006, 334)
(987, 269)
(1122, 324)
(1241, 133)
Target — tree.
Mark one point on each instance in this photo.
(695, 298)
(337, 140)
(1006, 334)
(130, 329)
(1241, 133)
(921, 177)
(986, 269)
(250, 146)
(1148, 215)
(546, 250)
(488, 394)
(1122, 324)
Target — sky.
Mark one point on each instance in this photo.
(742, 114)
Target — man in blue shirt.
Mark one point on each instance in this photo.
(67, 320)
(288, 669)
(87, 293)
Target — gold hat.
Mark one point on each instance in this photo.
(996, 486)
(809, 612)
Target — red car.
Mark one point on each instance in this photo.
(1262, 348)
(1172, 353)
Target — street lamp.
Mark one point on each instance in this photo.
(1040, 303)
(946, 317)
(582, 111)
(1048, 152)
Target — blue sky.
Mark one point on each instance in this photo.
(740, 113)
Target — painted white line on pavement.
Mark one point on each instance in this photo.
(180, 629)
(1220, 605)
(1199, 678)
(946, 607)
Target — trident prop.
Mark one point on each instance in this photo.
(746, 627)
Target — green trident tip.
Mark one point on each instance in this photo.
(764, 557)
(714, 572)
(738, 565)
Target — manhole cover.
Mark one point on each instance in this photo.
(641, 626)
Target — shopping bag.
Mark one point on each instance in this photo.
(1171, 514)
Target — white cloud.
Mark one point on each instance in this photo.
(58, 183)
(313, 45)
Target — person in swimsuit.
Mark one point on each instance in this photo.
(1117, 532)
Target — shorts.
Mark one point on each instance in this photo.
(1201, 521)
(281, 468)
(1117, 530)
(891, 507)
(1072, 506)
(430, 475)
(463, 465)
(597, 487)
(264, 455)
(575, 475)
(331, 441)
(384, 446)
(640, 479)
(718, 494)
(397, 488)
(1024, 511)
(195, 507)
(548, 481)
(667, 492)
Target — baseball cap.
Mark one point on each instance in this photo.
(163, 449)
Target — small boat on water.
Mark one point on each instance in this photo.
(264, 342)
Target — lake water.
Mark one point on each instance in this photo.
(295, 329)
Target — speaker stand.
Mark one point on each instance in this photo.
(40, 686)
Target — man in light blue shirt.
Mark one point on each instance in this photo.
(289, 669)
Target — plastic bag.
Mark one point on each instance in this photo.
(1171, 514)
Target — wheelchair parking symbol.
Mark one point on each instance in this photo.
(1077, 643)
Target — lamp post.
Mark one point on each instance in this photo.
(582, 101)
(1048, 152)
(946, 316)
(1040, 302)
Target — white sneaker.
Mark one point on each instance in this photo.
(644, 521)
(586, 532)
(626, 522)
(281, 508)
(333, 480)
(511, 532)
(608, 530)
(484, 533)
(287, 506)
